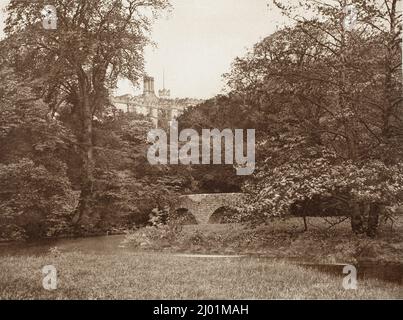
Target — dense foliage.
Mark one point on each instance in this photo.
(327, 109)
(40, 170)
(338, 111)
(70, 163)
(74, 65)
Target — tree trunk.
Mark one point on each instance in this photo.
(392, 49)
(357, 224)
(83, 212)
(373, 219)
(305, 223)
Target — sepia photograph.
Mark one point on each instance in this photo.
(201, 155)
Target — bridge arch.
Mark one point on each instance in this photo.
(202, 206)
(183, 216)
(223, 214)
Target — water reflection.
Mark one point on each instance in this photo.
(391, 271)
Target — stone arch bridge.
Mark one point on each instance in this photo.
(202, 206)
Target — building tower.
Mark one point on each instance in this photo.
(148, 89)
(164, 93)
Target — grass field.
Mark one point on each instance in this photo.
(165, 276)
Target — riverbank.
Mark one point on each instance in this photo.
(278, 239)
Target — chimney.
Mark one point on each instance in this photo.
(148, 86)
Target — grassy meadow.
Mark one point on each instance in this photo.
(167, 276)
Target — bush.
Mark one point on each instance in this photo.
(154, 237)
(33, 201)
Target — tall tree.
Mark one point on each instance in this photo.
(323, 98)
(95, 42)
(350, 27)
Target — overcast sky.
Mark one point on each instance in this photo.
(197, 42)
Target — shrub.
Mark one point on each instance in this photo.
(33, 201)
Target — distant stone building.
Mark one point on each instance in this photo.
(161, 109)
